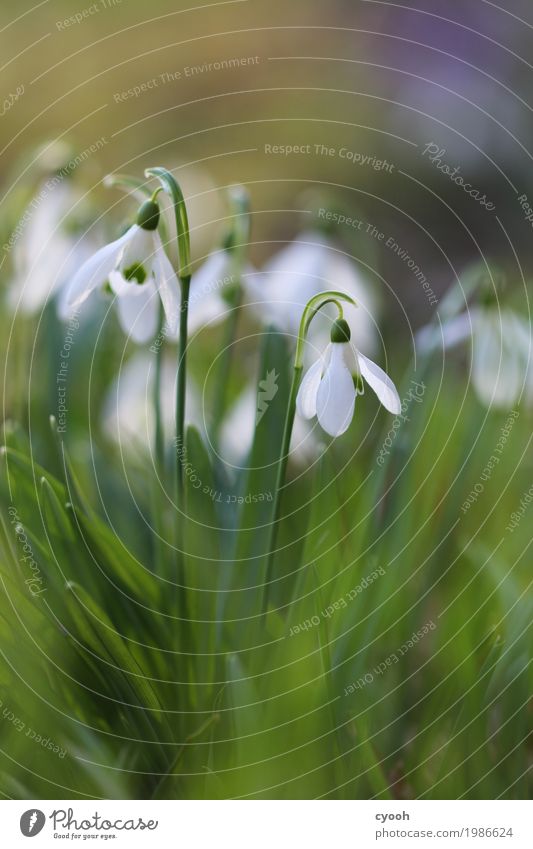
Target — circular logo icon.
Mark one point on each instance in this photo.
(32, 822)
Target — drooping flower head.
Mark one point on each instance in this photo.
(500, 337)
(137, 270)
(310, 264)
(330, 387)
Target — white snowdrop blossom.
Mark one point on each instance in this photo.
(46, 254)
(308, 265)
(502, 364)
(138, 271)
(330, 387)
(210, 286)
(239, 426)
(127, 414)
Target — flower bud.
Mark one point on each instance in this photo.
(340, 331)
(148, 215)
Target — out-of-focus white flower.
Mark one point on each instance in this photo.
(331, 385)
(139, 272)
(46, 254)
(210, 286)
(309, 265)
(502, 365)
(237, 433)
(128, 414)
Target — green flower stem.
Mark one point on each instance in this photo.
(159, 448)
(236, 244)
(313, 306)
(185, 283)
(173, 190)
(184, 631)
(159, 436)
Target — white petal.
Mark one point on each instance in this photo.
(96, 270)
(43, 255)
(206, 304)
(212, 275)
(380, 383)
(306, 398)
(119, 284)
(210, 309)
(290, 279)
(299, 258)
(139, 250)
(238, 428)
(335, 401)
(451, 333)
(498, 365)
(127, 415)
(167, 285)
(138, 311)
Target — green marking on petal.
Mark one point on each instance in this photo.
(135, 272)
(359, 384)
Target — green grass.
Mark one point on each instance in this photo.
(153, 691)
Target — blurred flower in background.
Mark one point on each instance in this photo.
(502, 363)
(127, 411)
(310, 264)
(237, 433)
(48, 242)
(212, 287)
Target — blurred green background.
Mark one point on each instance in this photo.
(93, 670)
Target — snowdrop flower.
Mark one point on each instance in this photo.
(138, 271)
(127, 415)
(331, 385)
(501, 351)
(211, 287)
(46, 254)
(309, 265)
(238, 428)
